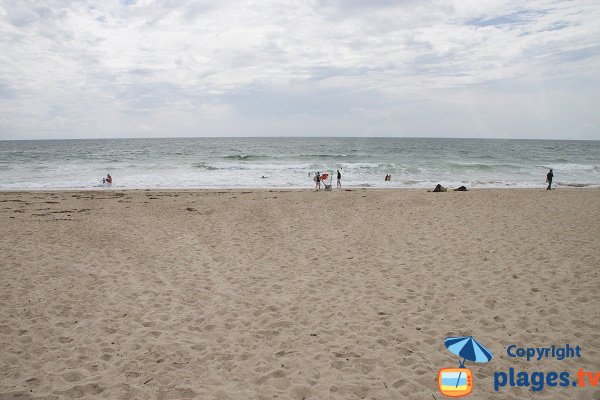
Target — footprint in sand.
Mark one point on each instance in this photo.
(72, 376)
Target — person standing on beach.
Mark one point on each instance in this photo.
(549, 177)
(318, 180)
(339, 179)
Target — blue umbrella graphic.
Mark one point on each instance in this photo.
(469, 349)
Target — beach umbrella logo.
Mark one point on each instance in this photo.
(458, 382)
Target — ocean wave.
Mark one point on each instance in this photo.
(411, 170)
(325, 156)
(244, 157)
(477, 166)
(496, 183)
(571, 167)
(575, 184)
(367, 165)
(201, 165)
(481, 166)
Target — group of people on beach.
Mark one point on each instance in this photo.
(388, 178)
(107, 180)
(321, 178)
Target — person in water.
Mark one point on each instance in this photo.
(549, 177)
(109, 179)
(339, 179)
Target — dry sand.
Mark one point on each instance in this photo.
(291, 294)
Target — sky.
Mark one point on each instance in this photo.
(418, 68)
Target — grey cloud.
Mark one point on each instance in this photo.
(577, 54)
(517, 18)
(320, 73)
(147, 97)
(21, 16)
(556, 26)
(142, 71)
(191, 11)
(7, 92)
(25, 13)
(270, 102)
(354, 6)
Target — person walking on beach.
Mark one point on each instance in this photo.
(339, 179)
(549, 177)
(318, 180)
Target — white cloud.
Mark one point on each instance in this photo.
(112, 68)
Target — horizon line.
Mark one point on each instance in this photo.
(299, 137)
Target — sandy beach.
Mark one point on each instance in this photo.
(264, 294)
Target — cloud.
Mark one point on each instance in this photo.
(333, 67)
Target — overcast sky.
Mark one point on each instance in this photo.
(457, 68)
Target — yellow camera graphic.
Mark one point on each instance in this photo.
(455, 382)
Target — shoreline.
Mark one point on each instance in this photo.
(287, 189)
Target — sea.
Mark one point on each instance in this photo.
(186, 163)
